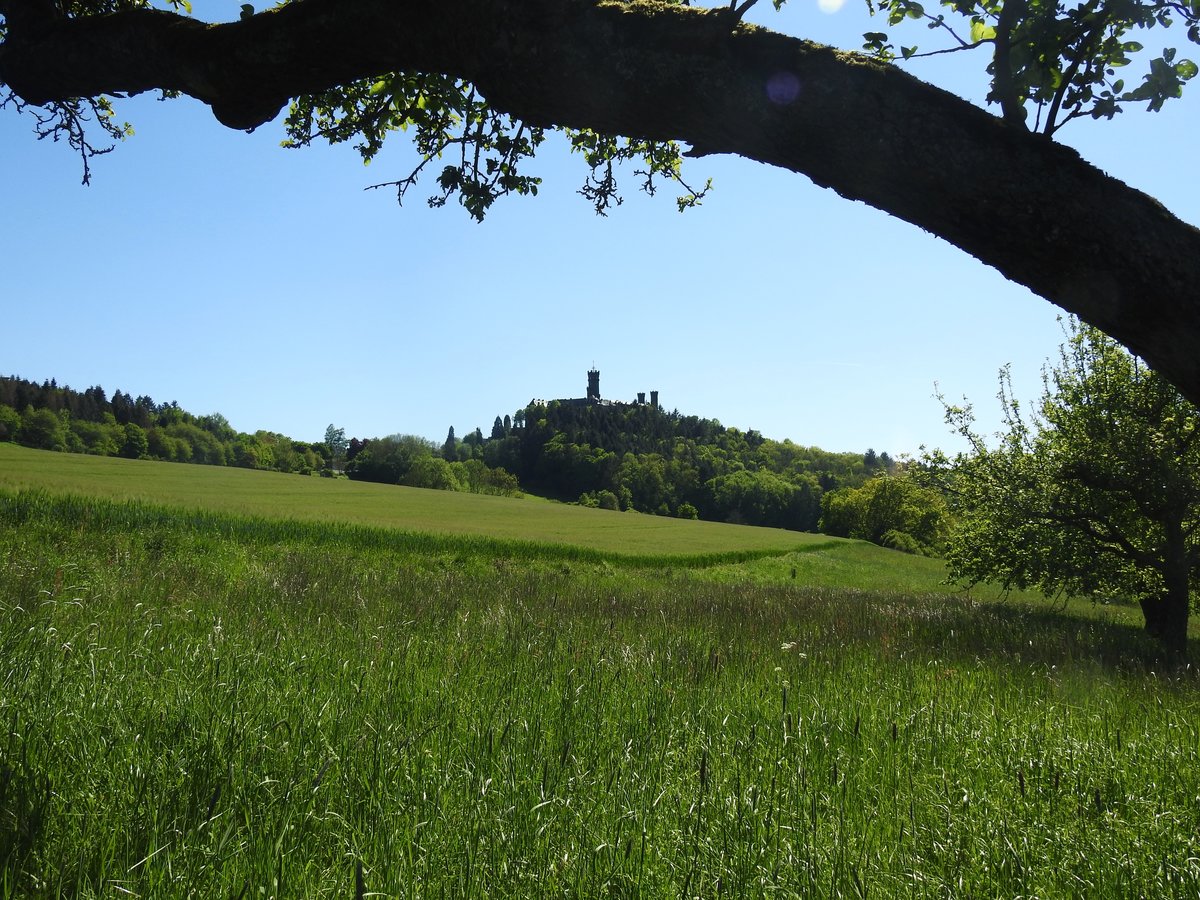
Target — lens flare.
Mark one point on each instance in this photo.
(783, 88)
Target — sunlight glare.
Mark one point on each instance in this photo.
(783, 88)
(830, 6)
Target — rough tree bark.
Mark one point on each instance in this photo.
(1167, 614)
(1028, 207)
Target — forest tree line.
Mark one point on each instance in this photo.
(640, 457)
(632, 457)
(52, 417)
(48, 416)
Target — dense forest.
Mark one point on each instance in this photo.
(639, 457)
(50, 417)
(616, 456)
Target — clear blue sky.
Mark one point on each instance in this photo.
(213, 268)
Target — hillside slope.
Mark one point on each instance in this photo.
(271, 494)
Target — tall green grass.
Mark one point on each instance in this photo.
(18, 507)
(272, 495)
(195, 707)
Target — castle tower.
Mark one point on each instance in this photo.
(654, 399)
(593, 392)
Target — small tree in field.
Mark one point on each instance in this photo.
(1097, 493)
(336, 443)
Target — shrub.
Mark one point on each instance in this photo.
(902, 541)
(608, 500)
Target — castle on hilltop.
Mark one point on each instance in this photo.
(593, 396)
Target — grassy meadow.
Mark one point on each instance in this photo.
(280, 496)
(229, 699)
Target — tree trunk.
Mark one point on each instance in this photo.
(1167, 614)
(1167, 621)
(1018, 202)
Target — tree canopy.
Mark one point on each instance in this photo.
(891, 510)
(643, 458)
(51, 416)
(477, 82)
(1096, 493)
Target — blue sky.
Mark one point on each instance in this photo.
(213, 268)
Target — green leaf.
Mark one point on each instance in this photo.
(1186, 69)
(981, 31)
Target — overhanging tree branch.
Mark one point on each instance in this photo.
(1029, 208)
(26, 15)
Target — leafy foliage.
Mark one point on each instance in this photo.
(68, 120)
(446, 116)
(616, 456)
(488, 150)
(416, 462)
(1096, 494)
(53, 417)
(1059, 58)
(890, 510)
(335, 443)
(604, 153)
(643, 458)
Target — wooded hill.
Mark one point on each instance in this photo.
(50, 417)
(640, 457)
(616, 456)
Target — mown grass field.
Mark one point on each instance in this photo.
(217, 704)
(247, 492)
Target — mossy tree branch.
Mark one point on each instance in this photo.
(1016, 201)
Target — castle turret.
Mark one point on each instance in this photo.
(593, 391)
(654, 399)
